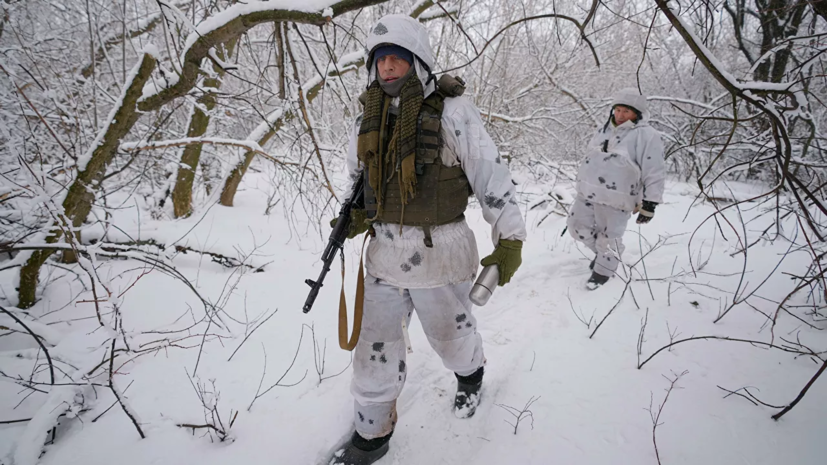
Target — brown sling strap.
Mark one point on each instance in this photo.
(357, 306)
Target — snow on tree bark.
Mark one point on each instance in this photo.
(190, 156)
(91, 168)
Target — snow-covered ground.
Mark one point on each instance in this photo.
(591, 402)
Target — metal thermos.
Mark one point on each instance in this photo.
(484, 286)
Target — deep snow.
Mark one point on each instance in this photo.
(592, 400)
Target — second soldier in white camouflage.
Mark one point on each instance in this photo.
(623, 172)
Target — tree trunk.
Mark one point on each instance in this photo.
(234, 179)
(78, 201)
(780, 19)
(191, 155)
(182, 192)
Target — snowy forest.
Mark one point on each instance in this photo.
(169, 170)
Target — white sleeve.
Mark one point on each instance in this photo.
(652, 167)
(488, 175)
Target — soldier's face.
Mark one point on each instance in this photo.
(623, 114)
(391, 67)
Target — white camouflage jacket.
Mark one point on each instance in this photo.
(630, 169)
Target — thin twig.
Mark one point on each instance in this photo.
(582, 318)
(250, 334)
(117, 395)
(750, 397)
(520, 415)
(277, 383)
(625, 289)
(36, 338)
(113, 403)
(640, 337)
(656, 416)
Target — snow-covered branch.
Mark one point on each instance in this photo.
(232, 23)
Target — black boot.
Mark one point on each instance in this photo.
(468, 394)
(361, 451)
(596, 281)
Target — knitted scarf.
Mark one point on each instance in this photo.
(400, 155)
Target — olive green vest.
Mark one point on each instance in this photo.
(441, 192)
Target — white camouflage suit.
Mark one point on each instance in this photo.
(403, 275)
(611, 182)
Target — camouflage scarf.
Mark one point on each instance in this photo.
(400, 157)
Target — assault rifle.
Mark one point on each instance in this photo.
(336, 240)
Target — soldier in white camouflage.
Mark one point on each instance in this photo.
(423, 150)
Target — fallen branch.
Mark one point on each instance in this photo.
(9, 422)
(724, 338)
(802, 393)
(187, 425)
(248, 145)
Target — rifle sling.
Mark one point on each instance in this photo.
(358, 306)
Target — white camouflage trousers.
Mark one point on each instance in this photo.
(600, 228)
(379, 369)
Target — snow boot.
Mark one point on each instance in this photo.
(468, 394)
(361, 451)
(596, 281)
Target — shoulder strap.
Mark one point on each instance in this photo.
(434, 103)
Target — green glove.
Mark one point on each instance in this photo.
(358, 223)
(508, 257)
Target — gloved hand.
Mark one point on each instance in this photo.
(358, 223)
(508, 257)
(647, 212)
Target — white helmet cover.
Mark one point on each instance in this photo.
(631, 98)
(404, 31)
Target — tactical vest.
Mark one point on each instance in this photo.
(441, 192)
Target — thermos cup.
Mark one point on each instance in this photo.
(485, 285)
